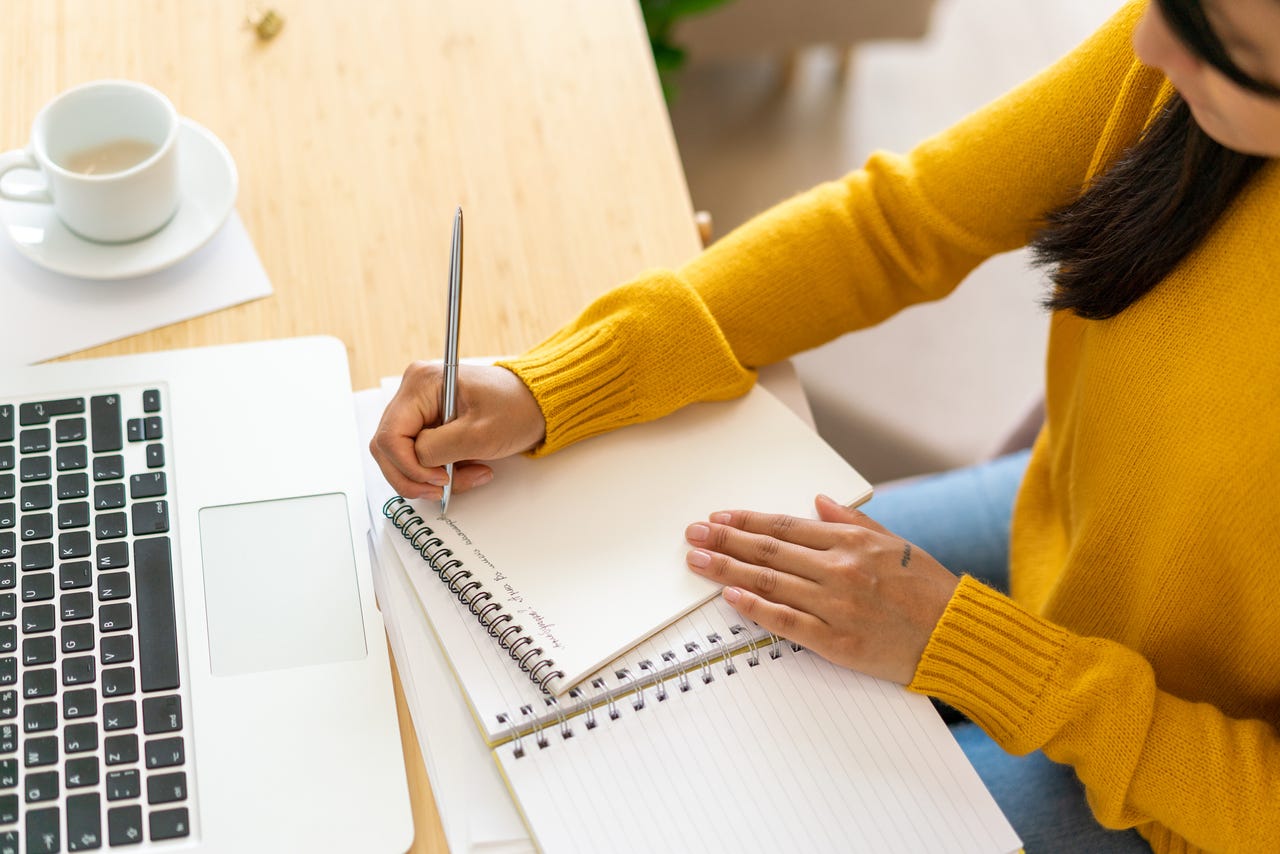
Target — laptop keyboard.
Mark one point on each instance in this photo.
(94, 748)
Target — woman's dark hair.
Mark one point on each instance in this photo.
(1135, 222)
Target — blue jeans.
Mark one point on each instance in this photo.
(962, 518)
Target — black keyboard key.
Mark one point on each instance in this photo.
(154, 428)
(80, 738)
(74, 544)
(74, 575)
(74, 485)
(37, 556)
(170, 824)
(108, 468)
(167, 788)
(8, 515)
(8, 544)
(8, 575)
(35, 441)
(155, 456)
(39, 650)
(8, 606)
(111, 526)
(81, 771)
(8, 704)
(40, 786)
(116, 617)
(147, 485)
(37, 618)
(8, 638)
(84, 822)
(73, 514)
(8, 670)
(77, 638)
(38, 496)
(8, 810)
(165, 752)
(80, 703)
(8, 739)
(70, 430)
(39, 683)
(157, 621)
(8, 773)
(6, 422)
(35, 468)
(134, 430)
(37, 526)
(117, 649)
(118, 682)
(8, 483)
(108, 496)
(161, 714)
(78, 670)
(104, 423)
(121, 749)
(41, 412)
(151, 400)
(39, 717)
(43, 828)
(150, 517)
(113, 555)
(8, 457)
(74, 606)
(122, 714)
(124, 824)
(37, 586)
(122, 785)
(114, 585)
(9, 841)
(72, 458)
(38, 752)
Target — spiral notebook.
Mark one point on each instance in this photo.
(711, 735)
(567, 561)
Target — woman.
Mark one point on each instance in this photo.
(1137, 646)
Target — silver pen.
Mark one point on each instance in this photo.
(450, 403)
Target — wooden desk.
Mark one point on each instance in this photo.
(358, 129)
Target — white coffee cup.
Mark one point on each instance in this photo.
(108, 152)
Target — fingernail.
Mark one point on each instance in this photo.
(721, 518)
(698, 557)
(732, 595)
(483, 478)
(697, 533)
(437, 479)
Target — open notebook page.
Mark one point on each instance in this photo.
(585, 547)
(792, 755)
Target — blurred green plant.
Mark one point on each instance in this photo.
(660, 19)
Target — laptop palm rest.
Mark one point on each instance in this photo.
(280, 584)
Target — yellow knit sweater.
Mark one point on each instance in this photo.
(1141, 644)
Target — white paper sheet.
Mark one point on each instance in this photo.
(47, 314)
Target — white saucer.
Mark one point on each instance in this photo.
(207, 176)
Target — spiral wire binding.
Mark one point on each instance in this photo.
(531, 658)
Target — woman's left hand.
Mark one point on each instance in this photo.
(841, 585)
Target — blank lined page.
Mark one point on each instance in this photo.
(793, 754)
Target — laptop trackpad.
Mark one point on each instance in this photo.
(280, 584)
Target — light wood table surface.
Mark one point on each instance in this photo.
(359, 128)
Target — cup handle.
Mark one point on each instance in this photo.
(21, 158)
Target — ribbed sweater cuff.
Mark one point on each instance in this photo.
(580, 380)
(991, 659)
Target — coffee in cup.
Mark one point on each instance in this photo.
(108, 154)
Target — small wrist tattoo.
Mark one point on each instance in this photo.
(906, 554)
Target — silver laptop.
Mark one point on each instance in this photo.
(191, 657)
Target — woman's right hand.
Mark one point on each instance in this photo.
(497, 416)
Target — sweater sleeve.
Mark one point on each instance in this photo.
(842, 256)
(1146, 758)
